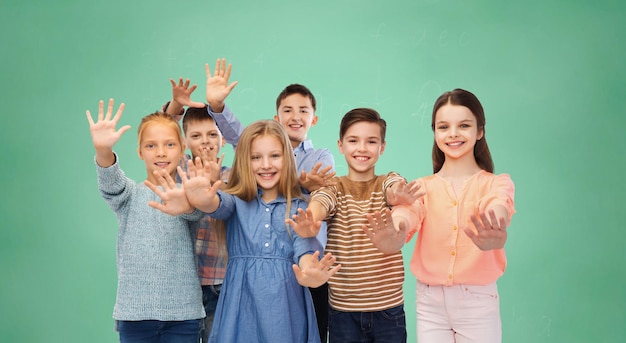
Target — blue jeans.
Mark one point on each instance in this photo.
(210, 295)
(387, 326)
(155, 331)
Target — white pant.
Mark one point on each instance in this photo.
(460, 314)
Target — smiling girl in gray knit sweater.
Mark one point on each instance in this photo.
(158, 291)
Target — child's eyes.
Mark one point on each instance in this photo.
(195, 136)
(255, 157)
(274, 156)
(149, 146)
(171, 145)
(213, 135)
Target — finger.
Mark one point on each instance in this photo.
(222, 67)
(207, 70)
(173, 83)
(477, 223)
(216, 71)
(180, 81)
(186, 84)
(486, 222)
(89, 119)
(157, 205)
(100, 110)
(119, 112)
(228, 70)
(109, 110)
(316, 168)
(123, 129)
(334, 270)
(155, 189)
(231, 86)
(494, 221)
(182, 174)
(193, 88)
(367, 231)
(219, 161)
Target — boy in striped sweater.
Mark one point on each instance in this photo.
(366, 296)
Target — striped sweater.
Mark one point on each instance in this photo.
(368, 280)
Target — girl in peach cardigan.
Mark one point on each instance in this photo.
(461, 222)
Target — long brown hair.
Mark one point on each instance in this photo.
(465, 98)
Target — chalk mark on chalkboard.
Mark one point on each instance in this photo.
(419, 38)
(423, 107)
(546, 327)
(378, 35)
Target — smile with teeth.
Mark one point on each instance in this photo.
(266, 175)
(454, 144)
(162, 164)
(361, 158)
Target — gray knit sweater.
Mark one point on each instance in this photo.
(156, 268)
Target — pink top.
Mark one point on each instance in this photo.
(444, 254)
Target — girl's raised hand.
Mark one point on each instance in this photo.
(490, 231)
(303, 223)
(104, 133)
(403, 193)
(181, 93)
(314, 272)
(173, 199)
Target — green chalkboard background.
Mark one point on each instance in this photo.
(550, 74)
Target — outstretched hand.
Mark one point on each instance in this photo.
(181, 93)
(198, 188)
(103, 132)
(385, 236)
(217, 87)
(304, 224)
(403, 193)
(174, 202)
(490, 231)
(317, 178)
(314, 272)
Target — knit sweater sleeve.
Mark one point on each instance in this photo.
(114, 186)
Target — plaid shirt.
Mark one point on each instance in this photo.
(211, 267)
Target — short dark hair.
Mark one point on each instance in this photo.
(295, 88)
(196, 114)
(359, 115)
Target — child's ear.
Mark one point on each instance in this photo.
(139, 153)
(223, 141)
(276, 117)
(340, 146)
(382, 147)
(481, 133)
(314, 121)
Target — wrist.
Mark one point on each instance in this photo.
(216, 106)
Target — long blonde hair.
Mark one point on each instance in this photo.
(242, 183)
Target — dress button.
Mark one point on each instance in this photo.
(267, 225)
(267, 245)
(267, 209)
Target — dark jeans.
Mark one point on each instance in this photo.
(387, 326)
(210, 295)
(155, 331)
(320, 302)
